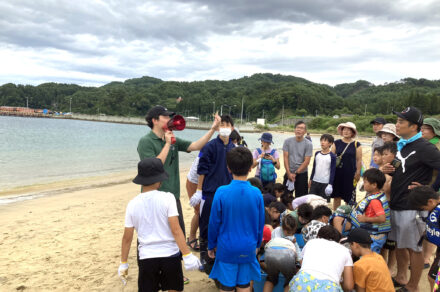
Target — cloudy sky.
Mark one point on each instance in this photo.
(325, 41)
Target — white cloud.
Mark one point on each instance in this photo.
(96, 42)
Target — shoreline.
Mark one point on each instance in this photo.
(39, 190)
(125, 120)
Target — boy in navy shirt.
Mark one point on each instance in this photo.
(213, 173)
(425, 198)
(236, 226)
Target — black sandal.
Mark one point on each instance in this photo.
(397, 284)
(193, 244)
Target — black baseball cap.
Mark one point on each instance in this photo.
(378, 120)
(157, 111)
(359, 235)
(411, 114)
(150, 171)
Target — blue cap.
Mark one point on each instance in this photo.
(266, 137)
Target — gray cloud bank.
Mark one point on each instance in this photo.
(124, 39)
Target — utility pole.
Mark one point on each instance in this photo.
(263, 114)
(282, 116)
(241, 117)
(221, 110)
(70, 110)
(213, 108)
(27, 101)
(365, 109)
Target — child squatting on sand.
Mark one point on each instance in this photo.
(154, 215)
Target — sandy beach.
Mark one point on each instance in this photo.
(71, 240)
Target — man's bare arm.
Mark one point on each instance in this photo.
(197, 145)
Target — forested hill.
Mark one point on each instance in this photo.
(259, 92)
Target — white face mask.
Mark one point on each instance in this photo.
(225, 132)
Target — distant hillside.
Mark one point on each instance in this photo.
(259, 92)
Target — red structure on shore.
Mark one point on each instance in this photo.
(23, 111)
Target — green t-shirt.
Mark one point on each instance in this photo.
(150, 146)
(435, 141)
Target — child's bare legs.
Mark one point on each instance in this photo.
(402, 259)
(428, 251)
(286, 289)
(431, 282)
(248, 289)
(391, 260)
(336, 203)
(384, 254)
(194, 224)
(268, 286)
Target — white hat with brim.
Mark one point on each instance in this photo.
(347, 125)
(389, 128)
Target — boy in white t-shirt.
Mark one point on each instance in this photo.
(324, 167)
(154, 215)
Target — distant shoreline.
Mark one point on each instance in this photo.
(122, 120)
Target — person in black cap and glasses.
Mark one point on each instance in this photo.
(370, 272)
(377, 124)
(154, 215)
(418, 158)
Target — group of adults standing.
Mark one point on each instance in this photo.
(298, 150)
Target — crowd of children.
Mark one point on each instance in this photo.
(254, 229)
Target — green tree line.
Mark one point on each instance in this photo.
(268, 94)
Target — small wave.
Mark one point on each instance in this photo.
(24, 197)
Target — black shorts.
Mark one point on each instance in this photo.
(389, 244)
(160, 274)
(434, 267)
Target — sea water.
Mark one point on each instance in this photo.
(40, 150)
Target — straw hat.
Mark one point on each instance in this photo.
(389, 128)
(347, 125)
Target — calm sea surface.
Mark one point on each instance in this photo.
(35, 151)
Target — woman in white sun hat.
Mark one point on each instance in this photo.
(348, 164)
(388, 133)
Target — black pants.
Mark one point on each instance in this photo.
(181, 222)
(205, 212)
(319, 189)
(301, 184)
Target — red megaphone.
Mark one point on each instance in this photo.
(177, 123)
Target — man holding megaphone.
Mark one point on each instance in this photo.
(160, 142)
